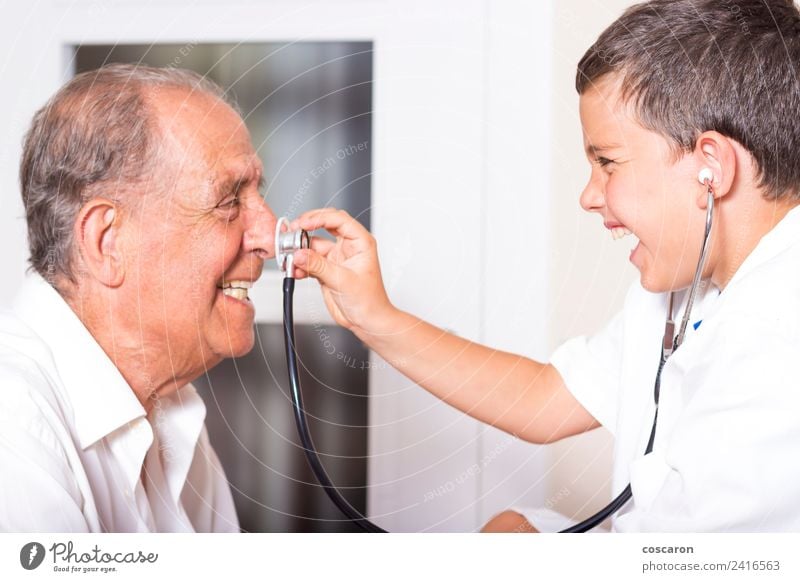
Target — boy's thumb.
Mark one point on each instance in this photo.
(320, 268)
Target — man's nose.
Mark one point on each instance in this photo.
(259, 233)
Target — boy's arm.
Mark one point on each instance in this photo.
(513, 393)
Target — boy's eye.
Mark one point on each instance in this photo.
(604, 161)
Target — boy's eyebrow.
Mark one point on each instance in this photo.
(594, 150)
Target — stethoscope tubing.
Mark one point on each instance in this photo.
(302, 421)
(669, 344)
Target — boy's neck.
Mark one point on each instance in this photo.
(740, 231)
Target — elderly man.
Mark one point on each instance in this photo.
(146, 228)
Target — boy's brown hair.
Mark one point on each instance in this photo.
(689, 66)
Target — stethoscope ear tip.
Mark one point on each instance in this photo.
(705, 175)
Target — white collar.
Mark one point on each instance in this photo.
(782, 236)
(102, 400)
(710, 300)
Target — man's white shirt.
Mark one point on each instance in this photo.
(78, 452)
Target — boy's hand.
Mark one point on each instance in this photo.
(347, 270)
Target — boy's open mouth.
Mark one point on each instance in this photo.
(619, 232)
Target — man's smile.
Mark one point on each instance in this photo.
(236, 289)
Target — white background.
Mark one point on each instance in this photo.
(478, 165)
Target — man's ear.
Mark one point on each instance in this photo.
(717, 153)
(97, 235)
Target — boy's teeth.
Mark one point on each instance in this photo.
(619, 232)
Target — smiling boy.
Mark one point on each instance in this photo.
(670, 90)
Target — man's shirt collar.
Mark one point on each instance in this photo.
(101, 398)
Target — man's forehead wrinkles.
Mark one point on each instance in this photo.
(250, 171)
(225, 180)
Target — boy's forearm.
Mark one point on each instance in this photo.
(495, 387)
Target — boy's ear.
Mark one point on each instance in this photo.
(716, 152)
(97, 231)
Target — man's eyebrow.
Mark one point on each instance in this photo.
(224, 186)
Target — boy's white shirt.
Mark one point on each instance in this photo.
(728, 438)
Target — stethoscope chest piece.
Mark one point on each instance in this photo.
(286, 243)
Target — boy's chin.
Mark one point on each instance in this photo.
(658, 284)
(648, 285)
(652, 283)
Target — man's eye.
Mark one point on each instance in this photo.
(229, 202)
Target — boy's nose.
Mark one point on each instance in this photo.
(259, 234)
(592, 198)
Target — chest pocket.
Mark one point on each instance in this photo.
(648, 474)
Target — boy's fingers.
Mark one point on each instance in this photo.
(314, 215)
(322, 245)
(320, 268)
(335, 221)
(317, 212)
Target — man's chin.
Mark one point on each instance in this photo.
(243, 346)
(236, 346)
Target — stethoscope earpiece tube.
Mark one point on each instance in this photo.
(302, 421)
(669, 344)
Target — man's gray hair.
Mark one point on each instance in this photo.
(96, 135)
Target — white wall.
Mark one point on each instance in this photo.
(589, 272)
(30, 75)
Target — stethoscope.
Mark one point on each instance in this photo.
(286, 243)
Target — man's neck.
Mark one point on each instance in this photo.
(144, 365)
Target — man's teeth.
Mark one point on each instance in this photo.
(619, 232)
(236, 289)
(240, 294)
